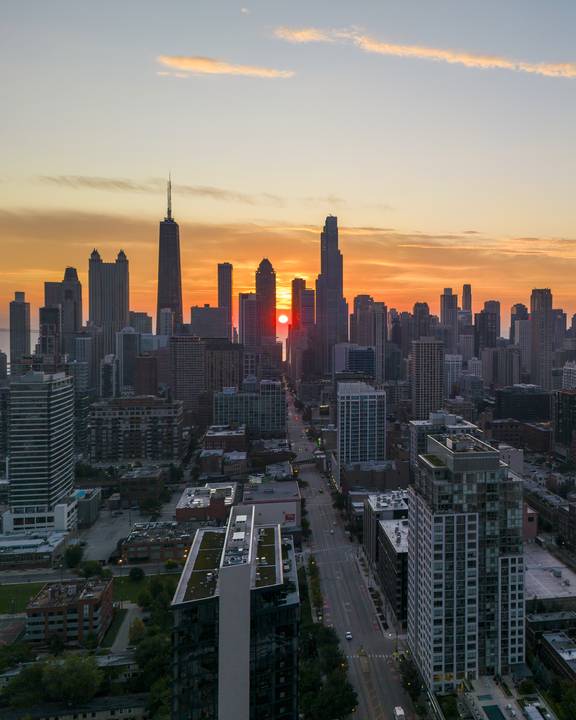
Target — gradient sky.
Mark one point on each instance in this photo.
(441, 133)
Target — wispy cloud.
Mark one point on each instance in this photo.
(155, 186)
(370, 44)
(198, 65)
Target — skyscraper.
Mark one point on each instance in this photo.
(68, 295)
(362, 321)
(248, 320)
(426, 377)
(465, 564)
(41, 452)
(266, 302)
(421, 313)
(141, 322)
(50, 338)
(485, 331)
(127, 351)
(542, 328)
(331, 306)
(298, 286)
(169, 274)
(361, 423)
(225, 294)
(449, 318)
(19, 331)
(109, 290)
(467, 298)
(493, 306)
(235, 633)
(517, 312)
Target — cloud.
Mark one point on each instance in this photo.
(155, 186)
(370, 44)
(197, 65)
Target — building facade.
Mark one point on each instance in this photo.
(465, 565)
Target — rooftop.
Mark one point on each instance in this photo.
(268, 549)
(564, 646)
(397, 533)
(62, 594)
(357, 388)
(545, 576)
(198, 497)
(225, 431)
(138, 473)
(393, 499)
(162, 530)
(24, 543)
(272, 491)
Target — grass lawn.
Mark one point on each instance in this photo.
(117, 620)
(14, 598)
(126, 589)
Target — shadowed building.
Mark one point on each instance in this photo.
(19, 331)
(68, 295)
(266, 302)
(109, 291)
(169, 275)
(225, 294)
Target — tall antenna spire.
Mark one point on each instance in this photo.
(169, 213)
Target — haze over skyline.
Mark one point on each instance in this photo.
(458, 168)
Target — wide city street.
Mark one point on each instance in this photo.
(348, 606)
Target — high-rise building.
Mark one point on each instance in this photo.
(331, 306)
(166, 325)
(298, 345)
(50, 338)
(187, 370)
(449, 318)
(41, 453)
(565, 417)
(109, 290)
(248, 319)
(380, 341)
(501, 366)
(127, 351)
(235, 632)
(262, 408)
(169, 273)
(266, 302)
(569, 376)
(467, 298)
(465, 564)
(141, 322)
(541, 321)
(421, 315)
(362, 321)
(485, 331)
(426, 377)
(68, 295)
(225, 294)
(109, 382)
(361, 423)
(517, 312)
(559, 328)
(19, 332)
(493, 306)
(452, 373)
(209, 322)
(3, 366)
(438, 423)
(298, 287)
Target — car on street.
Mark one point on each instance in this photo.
(348, 635)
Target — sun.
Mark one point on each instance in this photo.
(282, 319)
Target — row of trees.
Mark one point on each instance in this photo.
(325, 691)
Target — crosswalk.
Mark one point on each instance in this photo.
(371, 656)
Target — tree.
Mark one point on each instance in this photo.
(26, 688)
(75, 680)
(73, 556)
(153, 655)
(137, 631)
(136, 574)
(91, 568)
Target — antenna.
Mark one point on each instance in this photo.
(169, 213)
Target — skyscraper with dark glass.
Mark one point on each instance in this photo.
(225, 294)
(19, 332)
(331, 306)
(169, 274)
(266, 302)
(68, 295)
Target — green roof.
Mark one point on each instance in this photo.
(266, 557)
(204, 575)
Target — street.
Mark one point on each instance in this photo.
(347, 603)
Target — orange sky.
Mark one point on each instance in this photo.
(397, 267)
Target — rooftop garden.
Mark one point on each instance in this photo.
(204, 575)
(266, 557)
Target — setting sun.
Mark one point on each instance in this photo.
(282, 319)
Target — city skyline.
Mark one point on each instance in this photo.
(431, 184)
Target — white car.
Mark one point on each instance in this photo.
(348, 635)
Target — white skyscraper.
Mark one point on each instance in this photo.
(465, 564)
(361, 423)
(41, 453)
